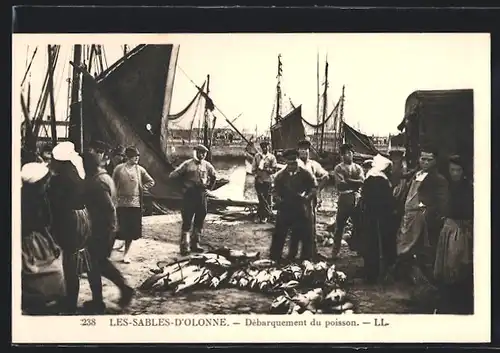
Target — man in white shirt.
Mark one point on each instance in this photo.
(321, 176)
(263, 166)
(349, 178)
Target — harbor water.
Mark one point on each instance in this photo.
(241, 184)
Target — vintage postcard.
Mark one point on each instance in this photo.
(191, 188)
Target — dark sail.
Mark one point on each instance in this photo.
(361, 143)
(119, 103)
(288, 131)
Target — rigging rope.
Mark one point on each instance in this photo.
(172, 117)
(60, 80)
(29, 66)
(315, 126)
(105, 58)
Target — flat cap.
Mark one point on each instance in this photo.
(290, 154)
(201, 147)
(304, 144)
(346, 147)
(98, 145)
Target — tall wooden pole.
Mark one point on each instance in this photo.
(317, 99)
(205, 117)
(75, 109)
(324, 106)
(53, 129)
(278, 91)
(341, 127)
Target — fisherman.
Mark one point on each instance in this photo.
(100, 199)
(263, 166)
(349, 178)
(295, 189)
(117, 157)
(98, 148)
(198, 176)
(321, 176)
(425, 206)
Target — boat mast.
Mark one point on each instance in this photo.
(278, 91)
(341, 125)
(50, 87)
(324, 105)
(75, 108)
(317, 99)
(205, 116)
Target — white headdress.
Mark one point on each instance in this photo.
(65, 152)
(33, 172)
(380, 163)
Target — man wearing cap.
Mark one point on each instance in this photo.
(117, 157)
(295, 188)
(349, 178)
(263, 166)
(100, 149)
(197, 175)
(321, 176)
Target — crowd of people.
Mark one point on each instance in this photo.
(75, 208)
(417, 226)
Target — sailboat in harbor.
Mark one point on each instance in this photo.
(127, 103)
(326, 136)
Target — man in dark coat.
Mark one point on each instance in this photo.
(100, 198)
(422, 206)
(295, 189)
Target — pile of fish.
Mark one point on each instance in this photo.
(301, 288)
(205, 270)
(329, 299)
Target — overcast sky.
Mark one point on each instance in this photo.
(378, 71)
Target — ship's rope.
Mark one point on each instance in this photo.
(29, 66)
(172, 117)
(316, 126)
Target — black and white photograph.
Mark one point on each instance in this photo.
(266, 175)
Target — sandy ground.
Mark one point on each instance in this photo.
(160, 242)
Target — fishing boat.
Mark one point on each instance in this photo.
(326, 136)
(128, 104)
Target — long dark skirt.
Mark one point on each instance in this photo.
(377, 245)
(129, 223)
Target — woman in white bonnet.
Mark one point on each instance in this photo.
(70, 219)
(42, 275)
(377, 241)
